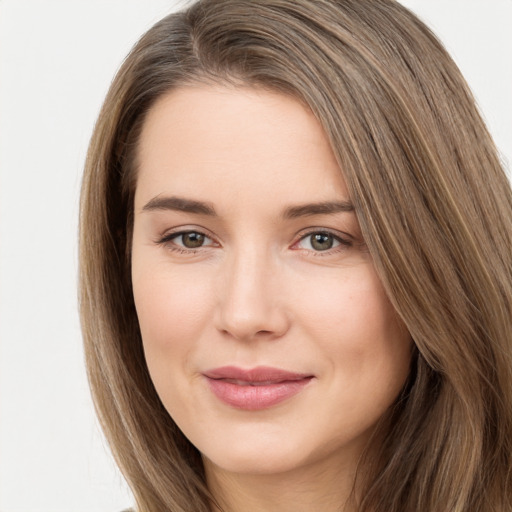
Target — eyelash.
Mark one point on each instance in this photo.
(343, 242)
(168, 242)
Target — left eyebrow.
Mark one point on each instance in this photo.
(322, 208)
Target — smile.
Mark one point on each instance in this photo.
(257, 388)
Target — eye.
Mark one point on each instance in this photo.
(320, 241)
(191, 240)
(186, 240)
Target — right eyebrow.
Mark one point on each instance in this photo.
(179, 204)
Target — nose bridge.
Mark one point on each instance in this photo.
(248, 305)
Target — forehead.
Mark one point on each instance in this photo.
(197, 139)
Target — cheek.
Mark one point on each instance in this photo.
(354, 323)
(349, 304)
(172, 307)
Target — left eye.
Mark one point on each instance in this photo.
(319, 241)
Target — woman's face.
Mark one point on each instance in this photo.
(266, 330)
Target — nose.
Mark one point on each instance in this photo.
(250, 304)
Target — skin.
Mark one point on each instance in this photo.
(260, 292)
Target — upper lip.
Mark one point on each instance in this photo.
(257, 374)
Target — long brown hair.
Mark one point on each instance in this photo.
(434, 206)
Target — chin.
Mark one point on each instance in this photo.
(259, 454)
(254, 462)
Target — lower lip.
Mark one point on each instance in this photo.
(254, 398)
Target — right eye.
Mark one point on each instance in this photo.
(186, 240)
(191, 239)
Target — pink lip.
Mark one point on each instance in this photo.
(257, 388)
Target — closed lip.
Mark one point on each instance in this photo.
(256, 388)
(257, 375)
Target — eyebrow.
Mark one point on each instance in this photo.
(182, 204)
(322, 208)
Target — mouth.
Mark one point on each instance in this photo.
(256, 388)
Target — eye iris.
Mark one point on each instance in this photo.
(193, 240)
(322, 241)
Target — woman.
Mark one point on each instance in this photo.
(296, 266)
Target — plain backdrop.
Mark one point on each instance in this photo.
(57, 58)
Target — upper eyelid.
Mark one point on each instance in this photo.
(167, 241)
(183, 230)
(182, 233)
(334, 232)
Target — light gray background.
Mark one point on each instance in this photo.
(57, 58)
